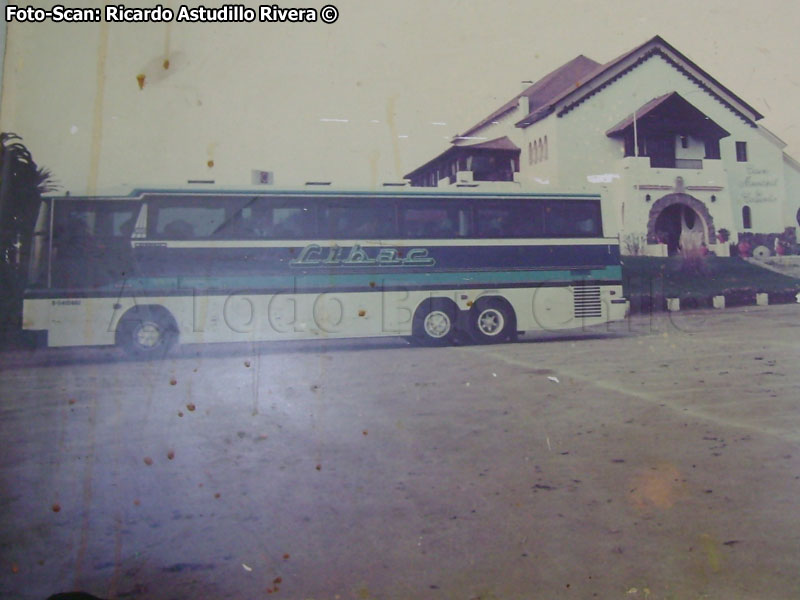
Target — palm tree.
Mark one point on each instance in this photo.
(22, 183)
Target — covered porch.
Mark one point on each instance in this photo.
(493, 160)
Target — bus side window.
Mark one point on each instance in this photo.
(493, 222)
(40, 257)
(91, 242)
(528, 220)
(573, 218)
(179, 230)
(239, 224)
(557, 220)
(124, 228)
(184, 221)
(72, 236)
(346, 219)
(292, 223)
(588, 220)
(510, 220)
(430, 221)
(463, 223)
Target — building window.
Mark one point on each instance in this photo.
(530, 153)
(490, 167)
(741, 151)
(712, 149)
(684, 141)
(747, 218)
(545, 147)
(628, 149)
(661, 150)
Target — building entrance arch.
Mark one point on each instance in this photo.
(680, 220)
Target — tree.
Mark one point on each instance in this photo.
(22, 183)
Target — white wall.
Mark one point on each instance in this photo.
(757, 183)
(592, 153)
(792, 189)
(695, 149)
(541, 174)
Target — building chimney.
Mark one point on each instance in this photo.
(524, 101)
(524, 105)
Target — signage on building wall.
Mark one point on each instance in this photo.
(759, 185)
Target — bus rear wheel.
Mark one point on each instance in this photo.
(492, 321)
(147, 331)
(434, 323)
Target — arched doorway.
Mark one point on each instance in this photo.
(680, 220)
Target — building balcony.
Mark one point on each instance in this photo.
(702, 175)
(472, 179)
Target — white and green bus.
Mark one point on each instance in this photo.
(156, 267)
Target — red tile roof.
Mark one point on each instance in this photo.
(642, 111)
(668, 105)
(566, 77)
(582, 73)
(501, 143)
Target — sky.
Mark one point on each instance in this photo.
(359, 101)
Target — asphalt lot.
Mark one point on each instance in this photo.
(656, 458)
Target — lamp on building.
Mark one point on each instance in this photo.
(647, 198)
(713, 198)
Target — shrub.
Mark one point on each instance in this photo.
(634, 244)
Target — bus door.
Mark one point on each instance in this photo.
(91, 242)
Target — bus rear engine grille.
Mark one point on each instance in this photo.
(587, 301)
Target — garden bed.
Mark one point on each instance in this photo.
(649, 281)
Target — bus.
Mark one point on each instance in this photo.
(147, 270)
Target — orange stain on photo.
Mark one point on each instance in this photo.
(659, 486)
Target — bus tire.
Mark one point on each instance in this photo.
(147, 332)
(492, 320)
(435, 322)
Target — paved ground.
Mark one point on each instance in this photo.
(660, 459)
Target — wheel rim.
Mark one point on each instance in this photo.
(491, 322)
(148, 335)
(437, 324)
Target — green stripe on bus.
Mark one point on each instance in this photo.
(371, 280)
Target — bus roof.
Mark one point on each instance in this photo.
(325, 191)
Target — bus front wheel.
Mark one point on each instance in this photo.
(146, 331)
(491, 321)
(434, 322)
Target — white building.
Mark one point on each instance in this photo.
(682, 156)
